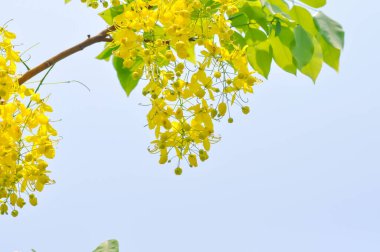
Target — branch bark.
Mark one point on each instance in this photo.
(103, 36)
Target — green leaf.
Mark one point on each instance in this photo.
(108, 246)
(283, 56)
(238, 39)
(256, 14)
(286, 36)
(303, 18)
(200, 13)
(157, 32)
(282, 53)
(315, 65)
(67, 1)
(330, 30)
(315, 3)
(239, 21)
(331, 54)
(303, 49)
(125, 75)
(106, 53)
(260, 58)
(276, 6)
(278, 28)
(254, 36)
(109, 14)
(214, 6)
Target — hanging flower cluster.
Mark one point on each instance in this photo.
(158, 41)
(27, 138)
(194, 55)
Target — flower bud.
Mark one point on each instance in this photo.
(178, 171)
(245, 110)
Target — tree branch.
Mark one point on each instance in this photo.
(101, 37)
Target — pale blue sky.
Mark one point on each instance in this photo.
(299, 174)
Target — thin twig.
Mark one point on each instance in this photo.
(101, 37)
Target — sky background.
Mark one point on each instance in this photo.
(299, 174)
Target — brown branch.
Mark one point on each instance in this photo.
(101, 37)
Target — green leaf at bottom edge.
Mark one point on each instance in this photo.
(108, 246)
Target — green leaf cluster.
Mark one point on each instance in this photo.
(297, 38)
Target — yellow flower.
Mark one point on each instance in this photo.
(193, 160)
(26, 138)
(222, 108)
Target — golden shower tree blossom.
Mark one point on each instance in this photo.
(198, 61)
(27, 137)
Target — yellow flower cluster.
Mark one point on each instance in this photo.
(160, 40)
(8, 60)
(26, 136)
